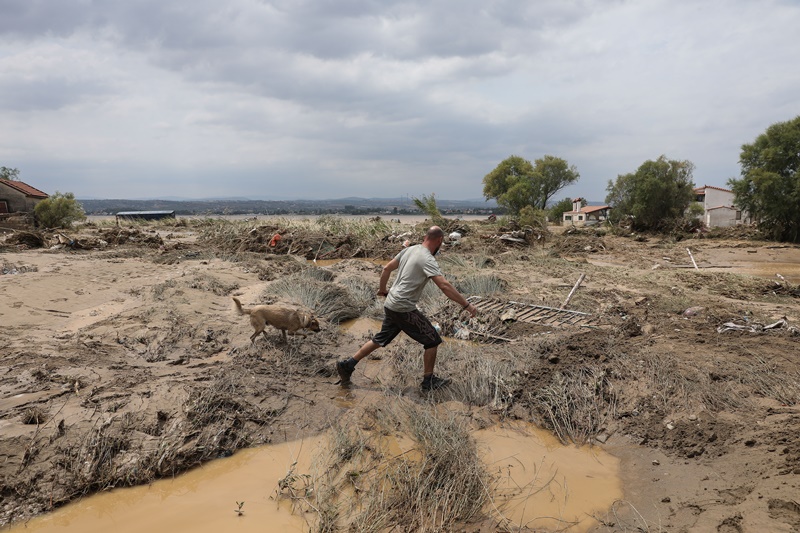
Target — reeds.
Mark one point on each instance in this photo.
(331, 301)
(576, 403)
(481, 285)
(362, 484)
(769, 380)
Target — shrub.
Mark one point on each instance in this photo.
(59, 211)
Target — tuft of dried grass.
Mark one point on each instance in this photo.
(769, 380)
(362, 484)
(576, 403)
(329, 300)
(479, 378)
(34, 415)
(481, 285)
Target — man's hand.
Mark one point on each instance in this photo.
(471, 309)
(382, 293)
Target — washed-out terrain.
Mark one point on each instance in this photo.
(122, 361)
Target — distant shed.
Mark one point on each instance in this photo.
(144, 215)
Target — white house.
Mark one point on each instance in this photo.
(590, 214)
(718, 208)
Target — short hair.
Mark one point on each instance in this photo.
(435, 232)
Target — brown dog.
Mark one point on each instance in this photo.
(283, 318)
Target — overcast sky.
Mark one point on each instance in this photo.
(382, 98)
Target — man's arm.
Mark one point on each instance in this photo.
(448, 290)
(390, 267)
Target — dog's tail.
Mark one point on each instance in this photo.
(239, 307)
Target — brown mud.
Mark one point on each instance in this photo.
(122, 360)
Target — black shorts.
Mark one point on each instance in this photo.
(412, 323)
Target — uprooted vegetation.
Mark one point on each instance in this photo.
(361, 483)
(171, 380)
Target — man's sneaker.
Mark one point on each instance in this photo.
(345, 371)
(434, 382)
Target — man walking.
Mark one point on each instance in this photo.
(415, 265)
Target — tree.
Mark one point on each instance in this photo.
(556, 213)
(656, 196)
(515, 182)
(769, 190)
(9, 173)
(58, 211)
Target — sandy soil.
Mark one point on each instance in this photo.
(120, 363)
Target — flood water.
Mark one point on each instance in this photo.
(536, 476)
(201, 501)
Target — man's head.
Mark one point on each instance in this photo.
(433, 239)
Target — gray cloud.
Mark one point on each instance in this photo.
(381, 98)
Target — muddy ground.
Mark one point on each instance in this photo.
(122, 360)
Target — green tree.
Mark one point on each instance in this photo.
(769, 190)
(515, 182)
(59, 211)
(9, 173)
(656, 196)
(556, 213)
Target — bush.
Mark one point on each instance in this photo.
(59, 211)
(535, 218)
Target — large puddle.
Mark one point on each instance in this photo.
(203, 500)
(544, 485)
(540, 484)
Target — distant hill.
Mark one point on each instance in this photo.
(350, 205)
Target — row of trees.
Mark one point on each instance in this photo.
(659, 195)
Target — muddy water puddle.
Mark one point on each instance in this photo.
(203, 500)
(539, 484)
(361, 327)
(543, 485)
(790, 271)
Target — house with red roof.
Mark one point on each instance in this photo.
(586, 215)
(18, 197)
(718, 208)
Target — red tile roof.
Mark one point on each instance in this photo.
(24, 188)
(704, 187)
(590, 209)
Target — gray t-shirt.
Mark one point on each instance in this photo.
(417, 266)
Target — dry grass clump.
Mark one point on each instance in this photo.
(670, 387)
(34, 415)
(94, 463)
(329, 300)
(770, 380)
(361, 483)
(480, 285)
(448, 485)
(479, 378)
(576, 403)
(362, 293)
(221, 401)
(475, 260)
(159, 289)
